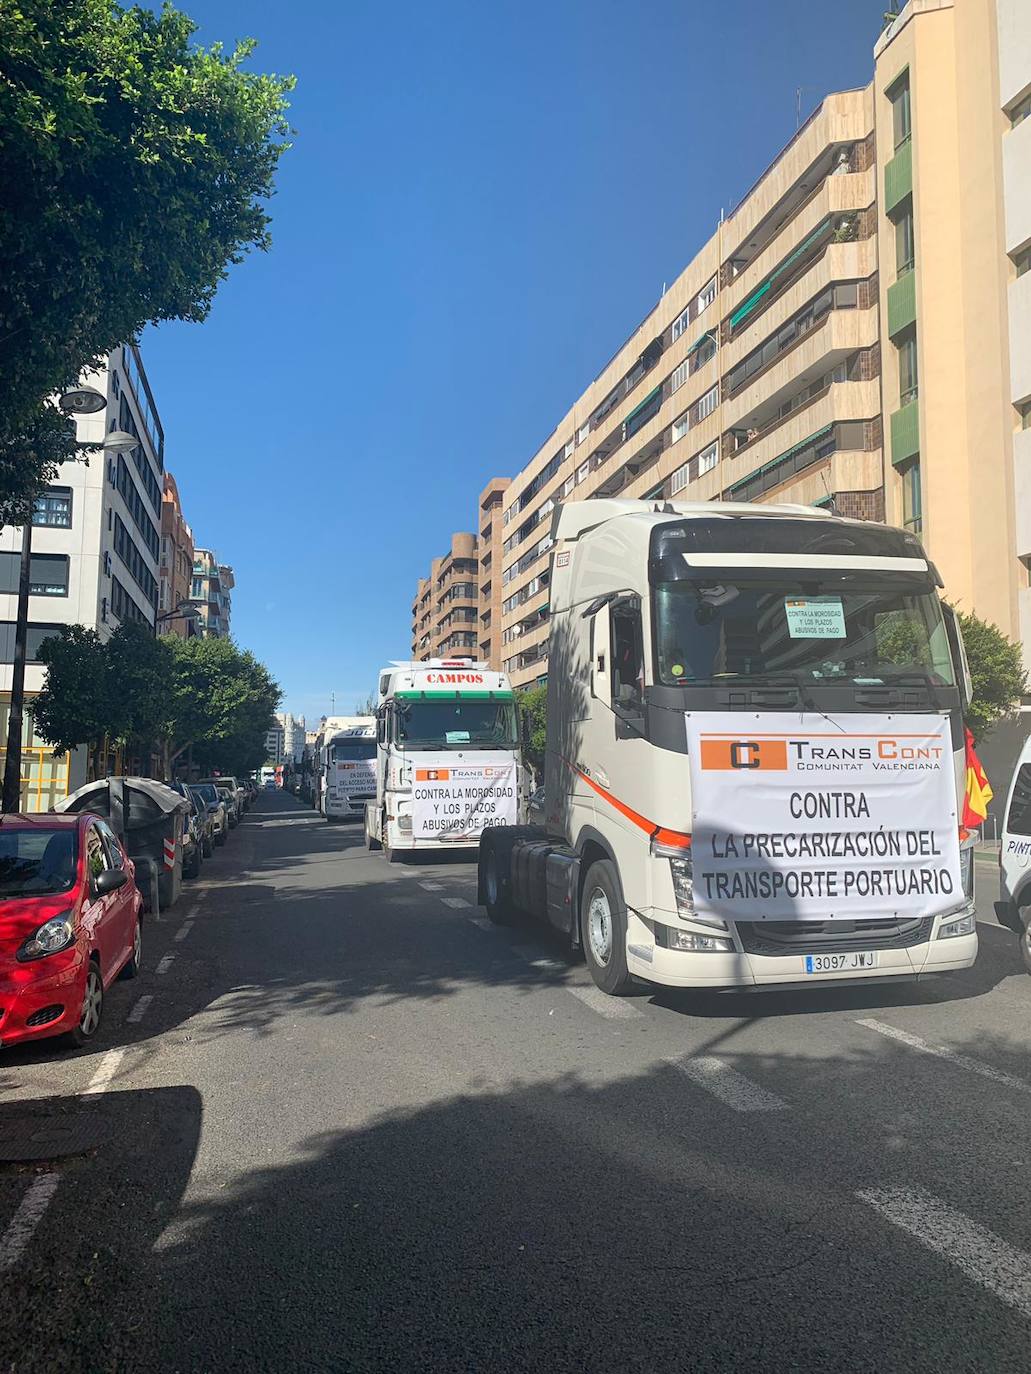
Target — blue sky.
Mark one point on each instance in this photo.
(482, 201)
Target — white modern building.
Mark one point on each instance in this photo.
(293, 729)
(95, 553)
(1014, 96)
(274, 752)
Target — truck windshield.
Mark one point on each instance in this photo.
(456, 724)
(357, 749)
(839, 629)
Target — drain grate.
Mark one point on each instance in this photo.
(29, 1138)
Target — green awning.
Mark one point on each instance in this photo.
(781, 457)
(707, 337)
(753, 300)
(646, 402)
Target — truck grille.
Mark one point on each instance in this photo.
(778, 938)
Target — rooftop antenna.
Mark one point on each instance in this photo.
(831, 503)
(799, 90)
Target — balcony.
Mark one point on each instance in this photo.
(905, 432)
(902, 303)
(898, 177)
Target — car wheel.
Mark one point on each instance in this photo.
(220, 838)
(603, 928)
(92, 1010)
(194, 869)
(135, 962)
(208, 847)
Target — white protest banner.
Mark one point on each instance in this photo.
(813, 817)
(456, 800)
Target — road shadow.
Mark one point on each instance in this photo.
(562, 1225)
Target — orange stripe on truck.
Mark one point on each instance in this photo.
(651, 828)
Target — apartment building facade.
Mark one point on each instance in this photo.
(176, 569)
(95, 553)
(293, 731)
(211, 589)
(1014, 103)
(446, 608)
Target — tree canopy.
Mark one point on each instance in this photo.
(996, 673)
(165, 695)
(136, 168)
(533, 705)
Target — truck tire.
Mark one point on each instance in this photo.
(603, 928)
(1025, 946)
(495, 882)
(392, 856)
(371, 843)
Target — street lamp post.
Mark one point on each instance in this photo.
(183, 611)
(84, 400)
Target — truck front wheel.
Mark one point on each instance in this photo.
(603, 928)
(496, 888)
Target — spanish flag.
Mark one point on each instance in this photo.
(978, 791)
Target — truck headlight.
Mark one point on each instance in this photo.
(683, 885)
(404, 824)
(962, 925)
(672, 937)
(966, 868)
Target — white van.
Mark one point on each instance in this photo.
(1014, 907)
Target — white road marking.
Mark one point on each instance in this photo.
(482, 922)
(455, 901)
(165, 964)
(184, 930)
(22, 1225)
(977, 1252)
(615, 1008)
(549, 965)
(725, 1083)
(106, 1070)
(140, 1008)
(432, 887)
(961, 1061)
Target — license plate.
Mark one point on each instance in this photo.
(839, 963)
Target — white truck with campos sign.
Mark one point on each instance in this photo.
(349, 770)
(755, 754)
(447, 757)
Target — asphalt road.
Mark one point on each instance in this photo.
(354, 1127)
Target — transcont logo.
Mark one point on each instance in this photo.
(432, 774)
(719, 755)
(454, 679)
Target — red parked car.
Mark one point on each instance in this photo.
(69, 924)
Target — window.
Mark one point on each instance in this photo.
(48, 573)
(583, 432)
(904, 246)
(96, 859)
(36, 635)
(707, 295)
(627, 656)
(123, 605)
(708, 458)
(680, 427)
(1022, 262)
(127, 490)
(901, 115)
(567, 452)
(912, 499)
(54, 508)
(680, 479)
(568, 485)
(582, 471)
(1020, 112)
(115, 857)
(680, 324)
(707, 404)
(908, 380)
(134, 561)
(680, 375)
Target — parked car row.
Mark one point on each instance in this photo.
(74, 888)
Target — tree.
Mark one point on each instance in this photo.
(135, 167)
(533, 706)
(30, 456)
(996, 672)
(220, 704)
(76, 705)
(366, 707)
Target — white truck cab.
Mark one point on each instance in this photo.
(755, 752)
(1014, 907)
(447, 757)
(349, 770)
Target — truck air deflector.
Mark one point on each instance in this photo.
(661, 834)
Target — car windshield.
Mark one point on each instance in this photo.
(36, 862)
(206, 791)
(456, 724)
(834, 630)
(354, 750)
